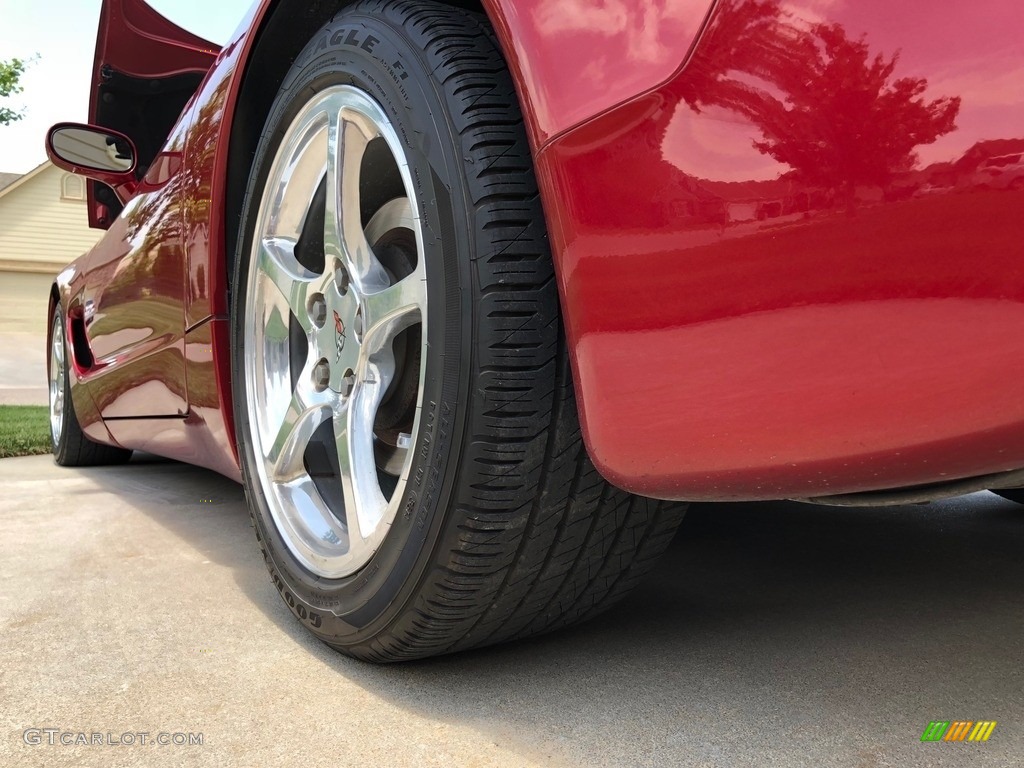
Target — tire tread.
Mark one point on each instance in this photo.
(539, 540)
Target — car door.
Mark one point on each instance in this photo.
(145, 73)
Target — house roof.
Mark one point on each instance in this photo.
(6, 179)
(11, 181)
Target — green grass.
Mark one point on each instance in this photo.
(24, 430)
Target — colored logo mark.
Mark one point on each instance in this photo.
(958, 730)
(339, 334)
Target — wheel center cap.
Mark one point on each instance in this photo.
(337, 341)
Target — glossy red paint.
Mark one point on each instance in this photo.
(133, 39)
(133, 295)
(779, 283)
(575, 59)
(208, 148)
(202, 436)
(136, 39)
(757, 304)
(68, 289)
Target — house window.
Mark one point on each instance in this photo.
(72, 187)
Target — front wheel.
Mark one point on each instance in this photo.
(405, 411)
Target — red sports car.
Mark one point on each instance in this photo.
(471, 295)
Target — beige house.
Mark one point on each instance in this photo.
(43, 220)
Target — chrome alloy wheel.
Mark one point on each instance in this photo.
(335, 325)
(57, 380)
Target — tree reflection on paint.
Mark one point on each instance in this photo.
(825, 105)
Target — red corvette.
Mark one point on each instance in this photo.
(471, 294)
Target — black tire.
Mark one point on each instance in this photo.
(508, 529)
(1011, 494)
(73, 448)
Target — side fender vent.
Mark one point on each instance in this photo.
(80, 351)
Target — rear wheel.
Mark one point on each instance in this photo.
(71, 448)
(404, 404)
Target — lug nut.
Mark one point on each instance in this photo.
(317, 310)
(357, 324)
(321, 375)
(341, 278)
(348, 383)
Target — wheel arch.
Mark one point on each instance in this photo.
(50, 312)
(51, 308)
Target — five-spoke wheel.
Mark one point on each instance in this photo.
(336, 314)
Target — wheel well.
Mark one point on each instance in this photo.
(54, 301)
(290, 24)
(51, 310)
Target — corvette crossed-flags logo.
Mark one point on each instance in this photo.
(339, 334)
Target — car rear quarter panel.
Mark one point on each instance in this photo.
(782, 278)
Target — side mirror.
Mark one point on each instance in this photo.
(96, 153)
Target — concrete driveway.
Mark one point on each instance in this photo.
(135, 600)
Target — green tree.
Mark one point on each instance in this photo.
(10, 76)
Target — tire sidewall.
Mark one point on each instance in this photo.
(378, 58)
